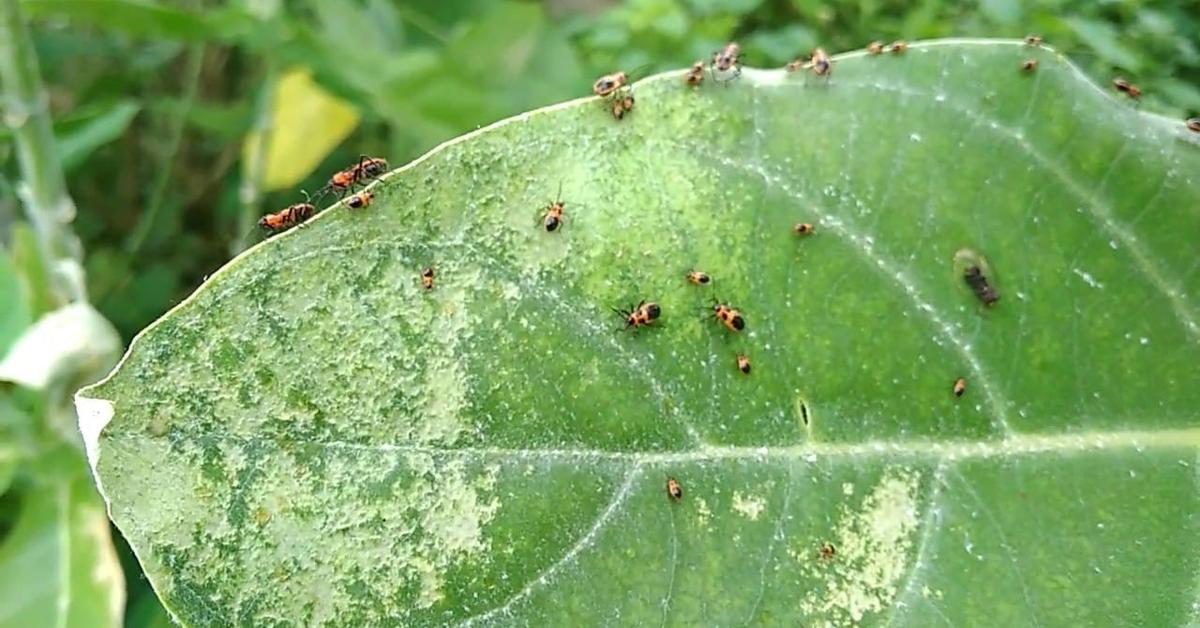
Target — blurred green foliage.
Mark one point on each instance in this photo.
(154, 104)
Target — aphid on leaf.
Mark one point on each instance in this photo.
(898, 47)
(727, 61)
(695, 76)
(960, 387)
(1127, 88)
(975, 278)
(697, 277)
(286, 218)
(795, 65)
(875, 47)
(827, 551)
(822, 65)
(743, 363)
(1029, 65)
(674, 489)
(366, 169)
(427, 278)
(641, 315)
(729, 317)
(803, 228)
(361, 200)
(1193, 125)
(1033, 40)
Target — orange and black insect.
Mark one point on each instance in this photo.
(674, 489)
(898, 47)
(366, 169)
(1127, 88)
(427, 277)
(827, 551)
(622, 105)
(698, 278)
(1193, 125)
(960, 386)
(553, 218)
(728, 61)
(1033, 40)
(609, 83)
(975, 278)
(729, 317)
(822, 65)
(640, 315)
(695, 76)
(803, 228)
(361, 200)
(743, 363)
(874, 47)
(1029, 65)
(288, 217)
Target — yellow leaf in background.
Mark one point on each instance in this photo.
(305, 124)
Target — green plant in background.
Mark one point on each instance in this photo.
(57, 558)
(492, 450)
(177, 124)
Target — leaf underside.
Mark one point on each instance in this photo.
(313, 438)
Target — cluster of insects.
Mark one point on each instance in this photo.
(342, 182)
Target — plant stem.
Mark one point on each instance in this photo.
(191, 84)
(250, 193)
(44, 188)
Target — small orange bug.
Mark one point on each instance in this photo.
(361, 200)
(286, 218)
(1193, 125)
(1033, 40)
(427, 277)
(960, 386)
(1127, 88)
(622, 105)
(803, 228)
(728, 61)
(1029, 65)
(729, 317)
(640, 315)
(874, 47)
(695, 76)
(743, 363)
(367, 168)
(609, 83)
(794, 65)
(822, 65)
(898, 47)
(698, 277)
(827, 551)
(674, 489)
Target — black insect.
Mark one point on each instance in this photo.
(980, 286)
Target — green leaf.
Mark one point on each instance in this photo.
(313, 438)
(57, 565)
(14, 316)
(147, 19)
(92, 128)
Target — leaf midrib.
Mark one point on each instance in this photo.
(1016, 445)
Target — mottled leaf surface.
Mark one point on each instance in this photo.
(314, 439)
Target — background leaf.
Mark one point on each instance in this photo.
(315, 437)
(307, 123)
(88, 130)
(57, 566)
